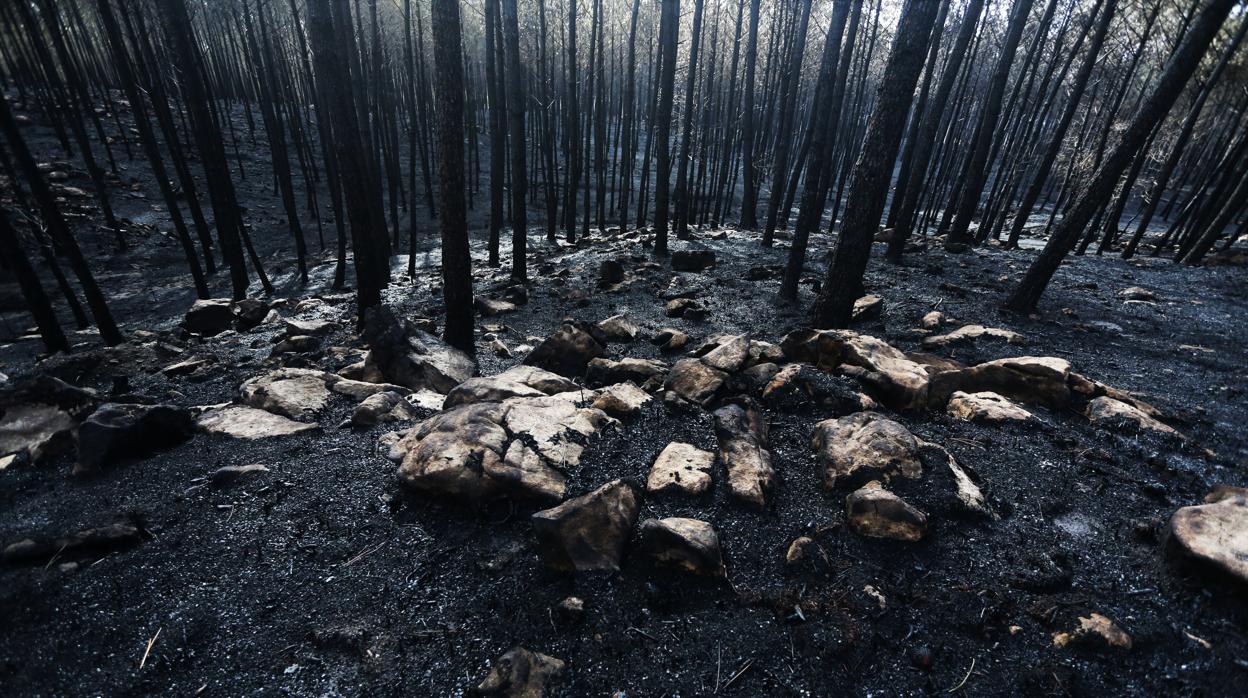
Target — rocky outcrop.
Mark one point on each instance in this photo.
(968, 334)
(987, 407)
(865, 446)
(411, 357)
(119, 430)
(250, 423)
(520, 448)
(874, 512)
(681, 467)
(587, 533)
(1214, 535)
(1034, 380)
(685, 545)
(742, 434)
(569, 349)
(888, 374)
(290, 392)
(521, 673)
(518, 381)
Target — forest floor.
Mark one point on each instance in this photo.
(323, 575)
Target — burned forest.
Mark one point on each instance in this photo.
(622, 348)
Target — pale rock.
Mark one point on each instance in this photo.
(874, 512)
(865, 446)
(686, 545)
(985, 407)
(742, 434)
(621, 400)
(681, 467)
(1117, 414)
(587, 533)
(972, 333)
(250, 423)
(1214, 534)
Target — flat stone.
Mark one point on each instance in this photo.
(730, 356)
(209, 316)
(1118, 414)
(972, 333)
(310, 328)
(692, 382)
(619, 328)
(865, 446)
(874, 512)
(1214, 534)
(382, 408)
(489, 307)
(1095, 631)
(1040, 380)
(686, 545)
(587, 533)
(250, 423)
(518, 381)
(411, 357)
(1137, 293)
(226, 475)
(681, 467)
(985, 406)
(290, 392)
(867, 308)
(621, 400)
(118, 430)
(602, 371)
(35, 430)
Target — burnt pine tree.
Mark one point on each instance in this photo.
(449, 99)
(868, 188)
(749, 200)
(1096, 193)
(32, 290)
(498, 126)
(668, 29)
(682, 168)
(515, 120)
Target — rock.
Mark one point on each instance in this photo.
(610, 272)
(970, 333)
(92, 542)
(804, 552)
(209, 316)
(290, 392)
(228, 474)
(36, 431)
(568, 350)
(412, 357)
(985, 406)
(681, 467)
(250, 312)
(692, 260)
(618, 328)
(1214, 535)
(186, 367)
(609, 372)
(1136, 293)
(380, 408)
(867, 308)
(116, 430)
(571, 609)
(742, 434)
(520, 448)
(489, 307)
(683, 307)
(309, 328)
(1094, 631)
(250, 423)
(521, 673)
(518, 381)
(587, 533)
(686, 545)
(730, 356)
(670, 339)
(692, 382)
(798, 387)
(1117, 414)
(359, 390)
(894, 378)
(874, 512)
(865, 446)
(1038, 380)
(756, 377)
(932, 320)
(621, 400)
(298, 344)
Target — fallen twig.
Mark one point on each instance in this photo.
(740, 671)
(147, 652)
(964, 678)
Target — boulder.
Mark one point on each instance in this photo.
(609, 371)
(250, 423)
(692, 260)
(412, 357)
(35, 431)
(290, 392)
(209, 316)
(730, 356)
(932, 320)
(381, 408)
(874, 512)
(119, 430)
(691, 382)
(250, 312)
(670, 339)
(1095, 631)
(867, 308)
(865, 446)
(569, 349)
(521, 673)
(987, 407)
(971, 333)
(681, 467)
(799, 387)
(1117, 414)
(297, 344)
(1038, 380)
(92, 542)
(521, 448)
(489, 307)
(1214, 535)
(687, 308)
(742, 434)
(619, 328)
(309, 328)
(610, 272)
(621, 400)
(587, 533)
(893, 377)
(517, 381)
(805, 553)
(686, 545)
